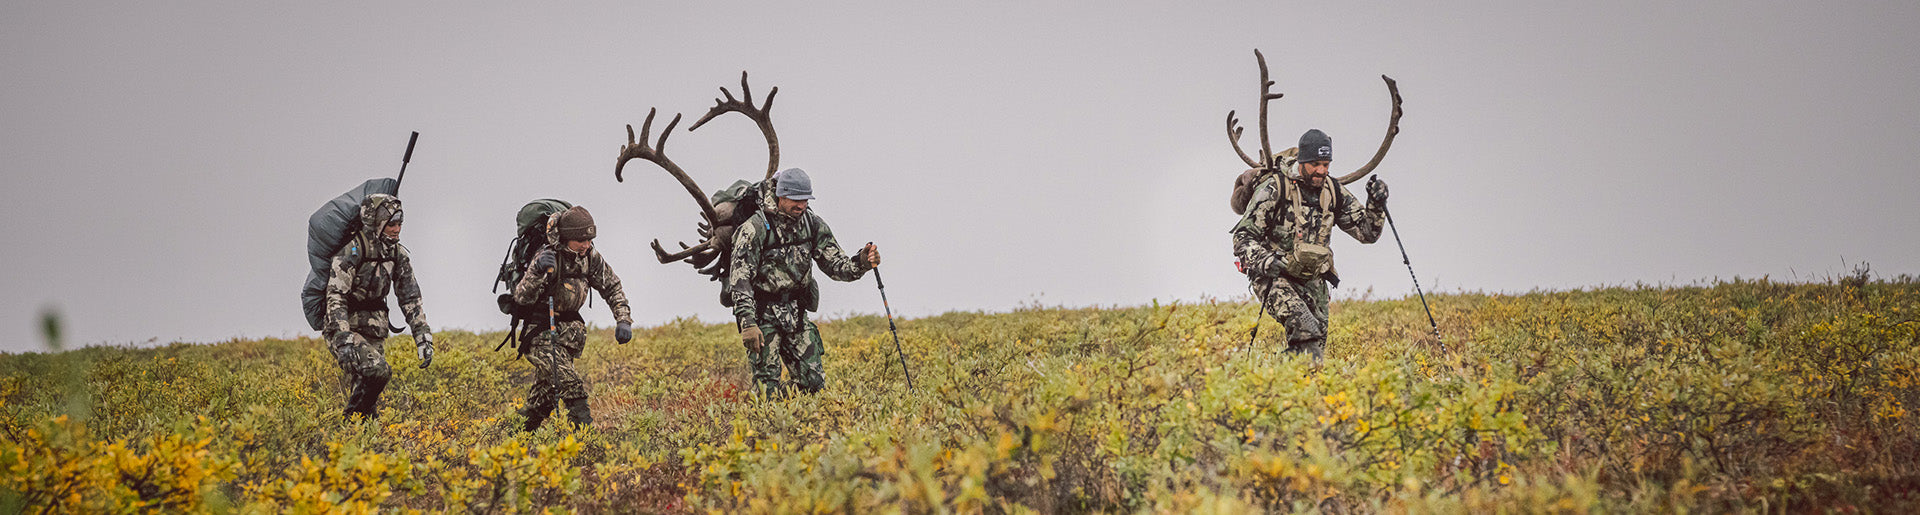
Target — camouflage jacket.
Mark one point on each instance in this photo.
(567, 283)
(1276, 219)
(773, 258)
(362, 274)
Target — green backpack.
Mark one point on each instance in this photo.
(530, 235)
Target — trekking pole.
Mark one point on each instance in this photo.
(1416, 279)
(890, 327)
(403, 162)
(551, 328)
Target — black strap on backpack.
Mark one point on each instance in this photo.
(813, 235)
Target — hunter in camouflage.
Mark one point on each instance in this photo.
(1282, 240)
(772, 286)
(559, 278)
(356, 329)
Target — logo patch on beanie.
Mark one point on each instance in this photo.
(1324, 151)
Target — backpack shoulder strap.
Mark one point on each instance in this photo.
(1329, 195)
(363, 252)
(1290, 197)
(759, 222)
(812, 233)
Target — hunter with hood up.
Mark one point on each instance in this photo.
(356, 327)
(559, 277)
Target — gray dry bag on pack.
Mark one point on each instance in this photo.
(329, 229)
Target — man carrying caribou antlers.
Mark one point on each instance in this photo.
(1289, 207)
(761, 241)
(772, 282)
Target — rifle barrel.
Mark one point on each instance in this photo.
(408, 158)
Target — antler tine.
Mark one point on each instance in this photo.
(1233, 136)
(685, 253)
(703, 259)
(1266, 94)
(761, 115)
(638, 149)
(1393, 129)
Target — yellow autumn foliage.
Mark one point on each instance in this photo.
(1729, 396)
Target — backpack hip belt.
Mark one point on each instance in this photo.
(764, 298)
(367, 305)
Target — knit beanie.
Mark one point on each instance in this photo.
(576, 225)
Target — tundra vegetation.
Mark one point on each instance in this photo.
(1728, 396)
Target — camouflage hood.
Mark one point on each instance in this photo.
(375, 211)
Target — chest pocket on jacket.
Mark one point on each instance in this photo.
(373, 279)
(570, 288)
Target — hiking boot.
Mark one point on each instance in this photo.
(579, 413)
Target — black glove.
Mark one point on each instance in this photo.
(544, 261)
(1376, 192)
(623, 333)
(424, 344)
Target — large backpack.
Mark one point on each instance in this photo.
(1244, 185)
(732, 206)
(735, 205)
(728, 200)
(530, 235)
(328, 230)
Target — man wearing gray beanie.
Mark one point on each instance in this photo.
(1282, 240)
(771, 281)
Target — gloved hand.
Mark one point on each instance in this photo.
(424, 345)
(543, 261)
(1376, 192)
(872, 255)
(751, 338)
(623, 333)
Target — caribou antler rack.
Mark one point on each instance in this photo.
(761, 116)
(657, 153)
(1267, 161)
(714, 232)
(1233, 125)
(1393, 129)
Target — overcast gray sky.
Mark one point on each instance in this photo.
(161, 158)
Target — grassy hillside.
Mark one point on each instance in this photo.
(1749, 395)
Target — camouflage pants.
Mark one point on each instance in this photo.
(1301, 306)
(554, 378)
(798, 351)
(361, 354)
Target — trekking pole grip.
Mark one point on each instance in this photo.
(876, 270)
